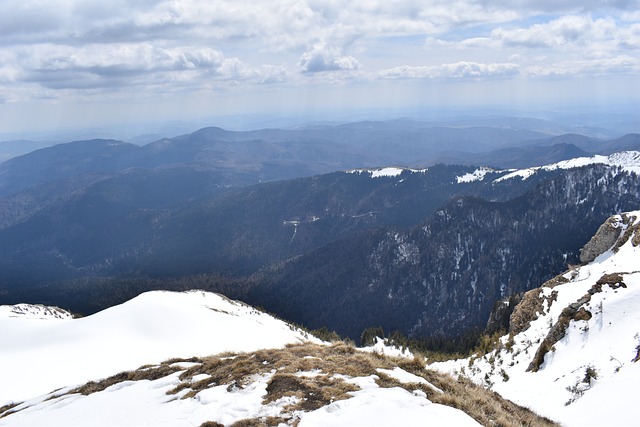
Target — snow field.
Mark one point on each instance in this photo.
(39, 356)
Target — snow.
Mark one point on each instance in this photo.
(385, 172)
(403, 376)
(146, 403)
(385, 407)
(49, 352)
(383, 347)
(38, 356)
(522, 174)
(477, 175)
(629, 161)
(407, 377)
(605, 344)
(34, 311)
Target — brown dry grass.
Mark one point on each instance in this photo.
(327, 367)
(485, 406)
(147, 373)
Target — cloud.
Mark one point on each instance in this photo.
(458, 70)
(84, 48)
(322, 58)
(96, 66)
(569, 30)
(615, 65)
(563, 6)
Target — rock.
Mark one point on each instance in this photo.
(606, 236)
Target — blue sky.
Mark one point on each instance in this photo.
(66, 63)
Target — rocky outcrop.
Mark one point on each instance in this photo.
(606, 236)
(614, 233)
(574, 311)
(532, 305)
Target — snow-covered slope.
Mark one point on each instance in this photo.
(33, 311)
(42, 353)
(626, 160)
(385, 172)
(574, 346)
(137, 403)
(313, 384)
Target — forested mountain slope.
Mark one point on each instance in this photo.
(444, 276)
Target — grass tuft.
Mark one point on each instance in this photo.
(317, 375)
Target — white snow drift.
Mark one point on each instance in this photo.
(39, 355)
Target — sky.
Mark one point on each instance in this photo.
(80, 63)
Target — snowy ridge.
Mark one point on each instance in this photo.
(150, 328)
(262, 381)
(184, 395)
(34, 312)
(579, 343)
(477, 175)
(628, 160)
(385, 172)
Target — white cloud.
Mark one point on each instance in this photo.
(566, 31)
(96, 66)
(79, 48)
(618, 64)
(564, 6)
(322, 58)
(458, 70)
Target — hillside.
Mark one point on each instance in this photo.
(443, 276)
(239, 374)
(336, 244)
(573, 348)
(151, 328)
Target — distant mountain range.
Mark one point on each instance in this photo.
(274, 154)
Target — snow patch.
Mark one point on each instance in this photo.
(383, 347)
(628, 161)
(34, 312)
(385, 172)
(477, 175)
(385, 407)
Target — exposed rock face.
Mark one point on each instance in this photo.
(574, 311)
(606, 236)
(526, 312)
(609, 236)
(532, 305)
